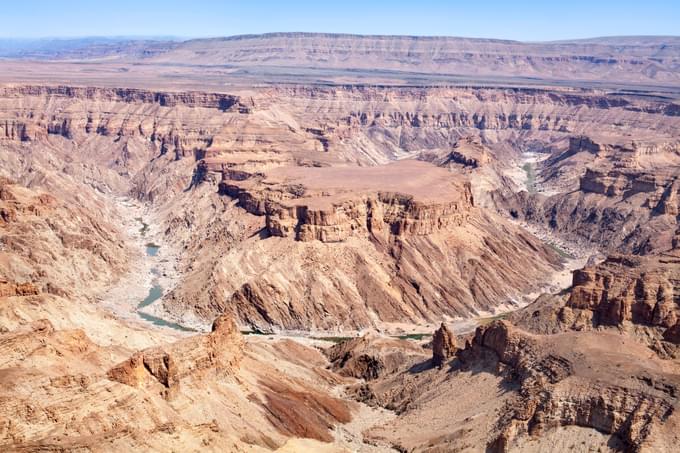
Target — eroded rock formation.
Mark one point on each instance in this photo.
(443, 345)
(624, 288)
(555, 390)
(219, 352)
(372, 356)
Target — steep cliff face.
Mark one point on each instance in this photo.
(642, 290)
(379, 122)
(216, 101)
(163, 119)
(305, 214)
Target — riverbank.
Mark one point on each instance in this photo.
(153, 269)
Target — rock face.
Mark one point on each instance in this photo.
(50, 246)
(307, 212)
(372, 356)
(641, 290)
(556, 391)
(443, 346)
(467, 152)
(127, 95)
(9, 289)
(219, 352)
(672, 334)
(511, 390)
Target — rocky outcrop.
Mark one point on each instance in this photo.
(289, 214)
(624, 288)
(218, 352)
(620, 194)
(467, 152)
(554, 391)
(9, 289)
(443, 345)
(195, 393)
(62, 243)
(395, 213)
(618, 183)
(372, 356)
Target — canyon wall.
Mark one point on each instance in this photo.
(277, 173)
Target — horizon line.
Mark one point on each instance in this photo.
(180, 38)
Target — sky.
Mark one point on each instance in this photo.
(505, 19)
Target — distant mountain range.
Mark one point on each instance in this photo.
(637, 59)
(88, 47)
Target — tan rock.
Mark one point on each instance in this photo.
(9, 289)
(629, 288)
(219, 352)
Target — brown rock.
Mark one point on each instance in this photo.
(636, 289)
(219, 351)
(443, 346)
(372, 356)
(616, 405)
(672, 334)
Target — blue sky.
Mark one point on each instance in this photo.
(518, 19)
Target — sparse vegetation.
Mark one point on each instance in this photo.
(563, 253)
(414, 336)
(145, 226)
(490, 319)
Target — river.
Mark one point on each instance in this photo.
(137, 295)
(153, 269)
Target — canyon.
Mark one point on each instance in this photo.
(385, 259)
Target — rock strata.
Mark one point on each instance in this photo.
(624, 288)
(372, 356)
(554, 391)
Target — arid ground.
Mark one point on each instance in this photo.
(339, 243)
